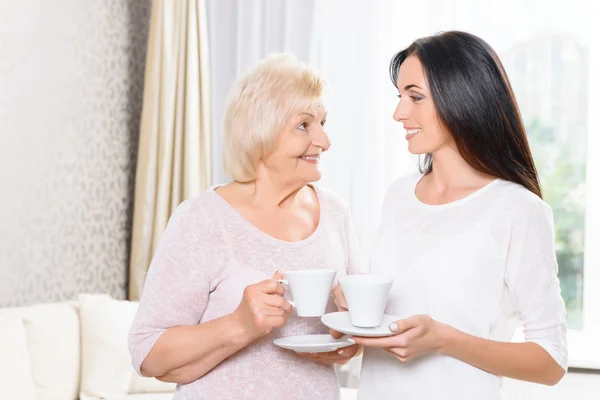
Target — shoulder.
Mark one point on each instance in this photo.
(332, 199)
(404, 184)
(199, 209)
(520, 198)
(520, 203)
(401, 187)
(331, 202)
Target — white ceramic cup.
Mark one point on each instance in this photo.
(310, 290)
(366, 296)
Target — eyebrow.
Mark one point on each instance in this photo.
(310, 115)
(411, 86)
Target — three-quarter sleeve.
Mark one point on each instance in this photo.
(533, 285)
(177, 284)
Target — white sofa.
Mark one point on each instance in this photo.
(72, 350)
(75, 350)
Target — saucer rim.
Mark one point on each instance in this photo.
(354, 332)
(332, 346)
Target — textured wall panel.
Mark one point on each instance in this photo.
(71, 82)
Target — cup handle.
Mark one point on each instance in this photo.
(285, 282)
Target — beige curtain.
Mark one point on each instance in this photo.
(174, 148)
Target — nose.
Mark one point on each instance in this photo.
(401, 111)
(321, 139)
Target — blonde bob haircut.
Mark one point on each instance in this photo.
(259, 104)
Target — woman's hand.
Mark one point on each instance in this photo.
(262, 308)
(339, 299)
(340, 302)
(416, 336)
(343, 355)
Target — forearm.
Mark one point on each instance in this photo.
(185, 353)
(523, 361)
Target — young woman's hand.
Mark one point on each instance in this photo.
(415, 336)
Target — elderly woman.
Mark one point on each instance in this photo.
(212, 304)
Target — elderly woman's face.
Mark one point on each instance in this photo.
(299, 145)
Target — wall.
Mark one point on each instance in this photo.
(71, 83)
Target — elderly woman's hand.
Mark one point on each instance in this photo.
(341, 304)
(339, 299)
(343, 355)
(262, 308)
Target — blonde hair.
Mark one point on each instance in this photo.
(259, 104)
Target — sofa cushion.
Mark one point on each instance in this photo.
(16, 380)
(53, 341)
(106, 363)
(52, 332)
(141, 396)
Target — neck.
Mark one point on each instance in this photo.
(270, 190)
(449, 169)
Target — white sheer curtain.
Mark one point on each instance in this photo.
(242, 32)
(368, 147)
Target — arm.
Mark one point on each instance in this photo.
(523, 361)
(165, 339)
(420, 334)
(535, 292)
(353, 266)
(183, 354)
(534, 289)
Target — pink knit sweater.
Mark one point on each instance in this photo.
(208, 254)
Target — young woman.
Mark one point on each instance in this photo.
(469, 239)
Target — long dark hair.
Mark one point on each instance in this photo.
(475, 102)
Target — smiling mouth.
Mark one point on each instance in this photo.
(411, 133)
(311, 158)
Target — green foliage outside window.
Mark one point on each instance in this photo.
(562, 175)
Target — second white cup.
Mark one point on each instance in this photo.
(310, 290)
(366, 296)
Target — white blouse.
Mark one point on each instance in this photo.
(481, 264)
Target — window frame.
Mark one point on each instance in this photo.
(584, 344)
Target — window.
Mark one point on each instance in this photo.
(549, 54)
(549, 74)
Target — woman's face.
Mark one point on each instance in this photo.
(416, 111)
(299, 146)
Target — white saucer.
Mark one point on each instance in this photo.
(313, 343)
(340, 321)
